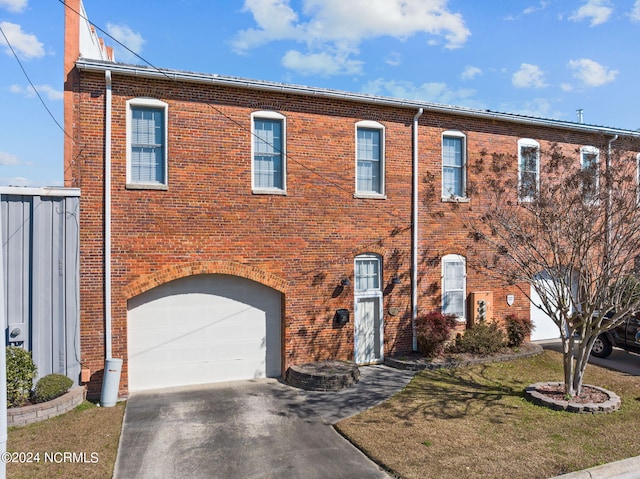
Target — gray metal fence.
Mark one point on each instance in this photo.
(40, 241)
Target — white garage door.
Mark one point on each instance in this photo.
(203, 329)
(544, 327)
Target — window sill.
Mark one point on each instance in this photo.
(460, 319)
(269, 192)
(146, 186)
(455, 199)
(370, 196)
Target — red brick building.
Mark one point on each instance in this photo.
(225, 221)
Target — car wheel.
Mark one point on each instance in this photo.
(602, 347)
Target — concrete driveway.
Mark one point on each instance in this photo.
(248, 429)
(620, 360)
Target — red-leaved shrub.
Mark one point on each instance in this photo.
(433, 331)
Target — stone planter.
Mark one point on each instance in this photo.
(610, 405)
(21, 416)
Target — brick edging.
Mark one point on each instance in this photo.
(21, 416)
(422, 363)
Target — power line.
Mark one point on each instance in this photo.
(24, 71)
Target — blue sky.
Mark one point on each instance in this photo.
(541, 58)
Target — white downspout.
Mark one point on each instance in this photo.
(112, 366)
(414, 241)
(107, 217)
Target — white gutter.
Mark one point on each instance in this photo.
(85, 64)
(107, 217)
(414, 241)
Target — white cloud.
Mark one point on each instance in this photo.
(7, 159)
(339, 27)
(435, 92)
(395, 58)
(635, 12)
(44, 90)
(598, 11)
(24, 44)
(541, 6)
(132, 40)
(470, 73)
(323, 63)
(529, 76)
(15, 6)
(591, 73)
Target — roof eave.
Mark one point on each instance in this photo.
(183, 76)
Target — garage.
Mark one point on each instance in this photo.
(203, 329)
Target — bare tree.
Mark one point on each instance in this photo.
(574, 218)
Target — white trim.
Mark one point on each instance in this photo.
(371, 125)
(638, 179)
(148, 103)
(454, 134)
(454, 258)
(365, 294)
(592, 150)
(39, 191)
(269, 115)
(528, 142)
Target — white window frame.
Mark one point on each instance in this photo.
(367, 291)
(591, 150)
(463, 167)
(527, 143)
(371, 125)
(269, 115)
(454, 258)
(158, 105)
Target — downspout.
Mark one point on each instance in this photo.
(112, 366)
(107, 217)
(609, 207)
(414, 241)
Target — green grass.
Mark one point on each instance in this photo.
(91, 432)
(480, 425)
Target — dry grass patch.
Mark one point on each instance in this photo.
(85, 430)
(474, 422)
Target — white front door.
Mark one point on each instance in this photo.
(368, 327)
(368, 335)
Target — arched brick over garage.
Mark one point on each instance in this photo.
(201, 328)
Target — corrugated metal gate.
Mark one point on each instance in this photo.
(40, 241)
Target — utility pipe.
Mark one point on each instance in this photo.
(3, 364)
(414, 241)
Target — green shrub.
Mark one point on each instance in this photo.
(482, 338)
(20, 373)
(50, 387)
(433, 331)
(518, 329)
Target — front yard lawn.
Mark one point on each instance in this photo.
(474, 422)
(81, 443)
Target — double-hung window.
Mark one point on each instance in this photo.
(268, 152)
(528, 169)
(453, 165)
(146, 143)
(369, 158)
(454, 278)
(589, 158)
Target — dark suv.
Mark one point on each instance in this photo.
(626, 336)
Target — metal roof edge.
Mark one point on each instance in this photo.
(208, 78)
(58, 191)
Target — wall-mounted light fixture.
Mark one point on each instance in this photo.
(395, 279)
(345, 282)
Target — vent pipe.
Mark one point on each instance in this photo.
(580, 114)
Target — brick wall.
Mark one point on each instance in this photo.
(303, 243)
